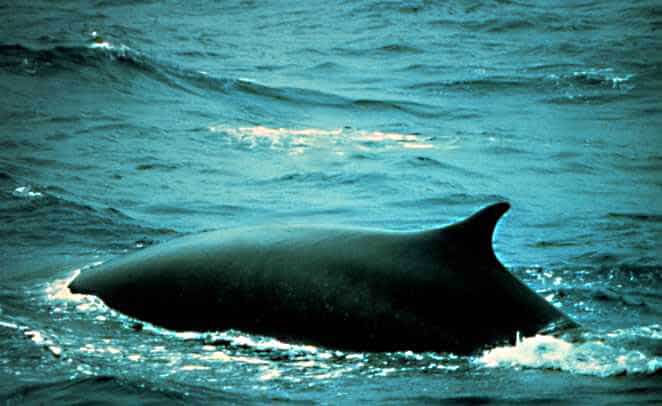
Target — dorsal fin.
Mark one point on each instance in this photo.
(470, 241)
(483, 222)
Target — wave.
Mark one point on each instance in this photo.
(490, 84)
(500, 25)
(324, 179)
(608, 297)
(558, 82)
(454, 199)
(108, 389)
(119, 65)
(17, 58)
(102, 63)
(639, 217)
(308, 97)
(383, 50)
(399, 49)
(444, 167)
(599, 77)
(41, 215)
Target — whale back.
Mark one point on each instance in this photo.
(439, 289)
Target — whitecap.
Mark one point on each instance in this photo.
(26, 192)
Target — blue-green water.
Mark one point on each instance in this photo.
(127, 123)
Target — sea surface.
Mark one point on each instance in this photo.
(124, 124)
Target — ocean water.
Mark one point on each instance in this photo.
(127, 123)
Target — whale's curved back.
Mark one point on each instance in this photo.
(440, 289)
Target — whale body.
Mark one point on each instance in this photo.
(354, 289)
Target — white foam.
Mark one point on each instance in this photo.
(102, 45)
(592, 357)
(8, 324)
(39, 339)
(26, 191)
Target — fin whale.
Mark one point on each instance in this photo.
(355, 289)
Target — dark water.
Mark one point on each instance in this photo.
(127, 123)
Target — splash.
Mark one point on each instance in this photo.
(603, 77)
(44, 341)
(596, 357)
(39, 338)
(58, 291)
(112, 51)
(99, 42)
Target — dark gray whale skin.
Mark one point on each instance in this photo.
(436, 290)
